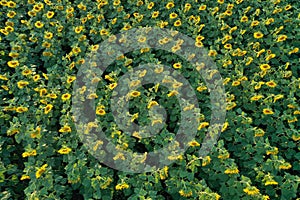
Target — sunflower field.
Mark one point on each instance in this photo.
(44, 55)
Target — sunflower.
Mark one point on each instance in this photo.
(139, 3)
(254, 23)
(228, 12)
(230, 105)
(288, 7)
(206, 160)
(3, 77)
(22, 84)
(230, 6)
(281, 38)
(201, 88)
(65, 129)
(82, 38)
(21, 109)
(142, 73)
(228, 46)
(116, 2)
(244, 19)
(264, 67)
(187, 7)
(59, 7)
(135, 93)
(13, 63)
(112, 86)
(172, 93)
(252, 191)
(40, 5)
(103, 32)
(202, 7)
(100, 111)
(11, 4)
(212, 53)
(26, 72)
(215, 10)
(78, 29)
(236, 83)
(24, 177)
(9, 23)
(277, 97)
(249, 61)
(232, 171)
(13, 54)
(150, 5)
(127, 27)
(48, 35)
(27, 154)
(70, 10)
(66, 96)
(270, 56)
(162, 24)
(48, 108)
(295, 50)
(269, 21)
(159, 70)
(173, 15)
(258, 85)
(161, 41)
(285, 166)
(199, 44)
(233, 29)
(64, 150)
(47, 53)
(185, 193)
(177, 65)
(50, 14)
(267, 111)
(11, 14)
(39, 24)
(175, 48)
(224, 156)
(43, 91)
(70, 79)
(226, 81)
(151, 104)
(114, 21)
(142, 39)
(76, 50)
(271, 84)
(9, 29)
(143, 50)
(194, 144)
(48, 2)
(40, 171)
(122, 185)
(256, 97)
(81, 6)
(200, 38)
(260, 52)
(52, 96)
(271, 182)
(170, 5)
(136, 14)
(177, 23)
(278, 10)
(46, 44)
(258, 35)
(36, 78)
